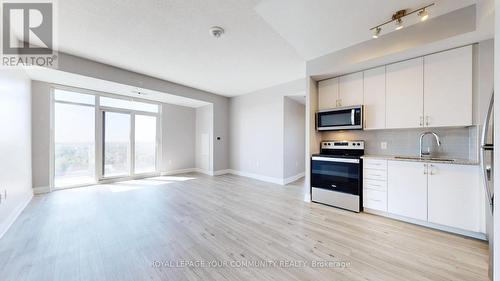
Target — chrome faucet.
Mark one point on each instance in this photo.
(422, 154)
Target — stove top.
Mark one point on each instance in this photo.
(342, 149)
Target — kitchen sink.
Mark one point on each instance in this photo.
(424, 158)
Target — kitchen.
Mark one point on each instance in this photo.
(403, 140)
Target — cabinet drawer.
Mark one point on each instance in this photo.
(374, 199)
(375, 164)
(374, 174)
(375, 184)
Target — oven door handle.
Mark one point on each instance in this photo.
(330, 159)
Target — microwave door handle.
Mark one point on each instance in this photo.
(352, 117)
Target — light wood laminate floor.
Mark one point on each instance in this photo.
(119, 231)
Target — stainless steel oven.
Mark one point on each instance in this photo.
(336, 175)
(342, 118)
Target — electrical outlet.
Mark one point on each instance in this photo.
(383, 145)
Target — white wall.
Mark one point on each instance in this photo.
(204, 137)
(40, 134)
(294, 138)
(15, 145)
(178, 138)
(256, 126)
(257, 132)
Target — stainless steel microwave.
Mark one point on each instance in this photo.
(341, 118)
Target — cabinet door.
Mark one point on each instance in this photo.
(374, 98)
(407, 189)
(328, 93)
(351, 89)
(404, 94)
(448, 88)
(455, 196)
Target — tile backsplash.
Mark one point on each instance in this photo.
(455, 142)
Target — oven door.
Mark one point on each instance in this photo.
(336, 174)
(340, 119)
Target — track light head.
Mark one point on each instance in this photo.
(399, 24)
(376, 32)
(423, 14)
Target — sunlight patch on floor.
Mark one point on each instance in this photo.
(144, 183)
(172, 178)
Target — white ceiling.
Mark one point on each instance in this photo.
(266, 42)
(169, 39)
(318, 27)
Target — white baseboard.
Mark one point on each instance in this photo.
(14, 215)
(293, 178)
(180, 171)
(202, 171)
(257, 177)
(221, 172)
(41, 190)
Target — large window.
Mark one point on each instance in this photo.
(125, 138)
(74, 139)
(145, 144)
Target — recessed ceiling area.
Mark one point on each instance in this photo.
(88, 83)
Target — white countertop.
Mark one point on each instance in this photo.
(395, 158)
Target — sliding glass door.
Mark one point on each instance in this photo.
(130, 142)
(116, 148)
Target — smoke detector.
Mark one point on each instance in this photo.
(216, 31)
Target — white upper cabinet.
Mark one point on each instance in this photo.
(455, 197)
(407, 189)
(374, 98)
(351, 89)
(404, 94)
(431, 91)
(448, 88)
(328, 93)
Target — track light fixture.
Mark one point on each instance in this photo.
(398, 19)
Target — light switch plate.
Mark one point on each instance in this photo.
(383, 145)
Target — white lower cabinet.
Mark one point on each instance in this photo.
(455, 197)
(443, 195)
(407, 189)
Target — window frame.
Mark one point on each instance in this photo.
(99, 141)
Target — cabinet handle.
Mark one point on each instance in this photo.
(432, 170)
(425, 169)
(376, 200)
(426, 120)
(421, 121)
